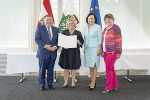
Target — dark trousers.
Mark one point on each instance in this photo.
(46, 64)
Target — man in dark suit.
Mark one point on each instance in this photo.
(46, 37)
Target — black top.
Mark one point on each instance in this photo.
(70, 58)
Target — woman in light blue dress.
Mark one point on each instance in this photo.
(92, 38)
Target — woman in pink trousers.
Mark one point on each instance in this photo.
(111, 47)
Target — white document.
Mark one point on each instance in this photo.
(67, 41)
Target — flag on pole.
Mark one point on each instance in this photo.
(95, 9)
(45, 10)
(69, 11)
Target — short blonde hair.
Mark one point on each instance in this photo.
(71, 19)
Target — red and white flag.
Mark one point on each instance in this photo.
(45, 10)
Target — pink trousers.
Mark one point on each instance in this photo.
(111, 78)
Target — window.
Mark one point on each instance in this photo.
(14, 23)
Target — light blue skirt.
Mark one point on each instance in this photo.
(91, 57)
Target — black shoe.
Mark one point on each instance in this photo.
(115, 89)
(73, 86)
(51, 87)
(90, 85)
(106, 91)
(42, 88)
(93, 88)
(65, 86)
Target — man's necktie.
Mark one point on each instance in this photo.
(49, 33)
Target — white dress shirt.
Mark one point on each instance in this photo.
(104, 43)
(50, 29)
(104, 48)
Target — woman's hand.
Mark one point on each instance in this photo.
(118, 56)
(102, 54)
(98, 52)
(79, 43)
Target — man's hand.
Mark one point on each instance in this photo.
(48, 47)
(53, 48)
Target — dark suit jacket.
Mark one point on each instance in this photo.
(42, 39)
